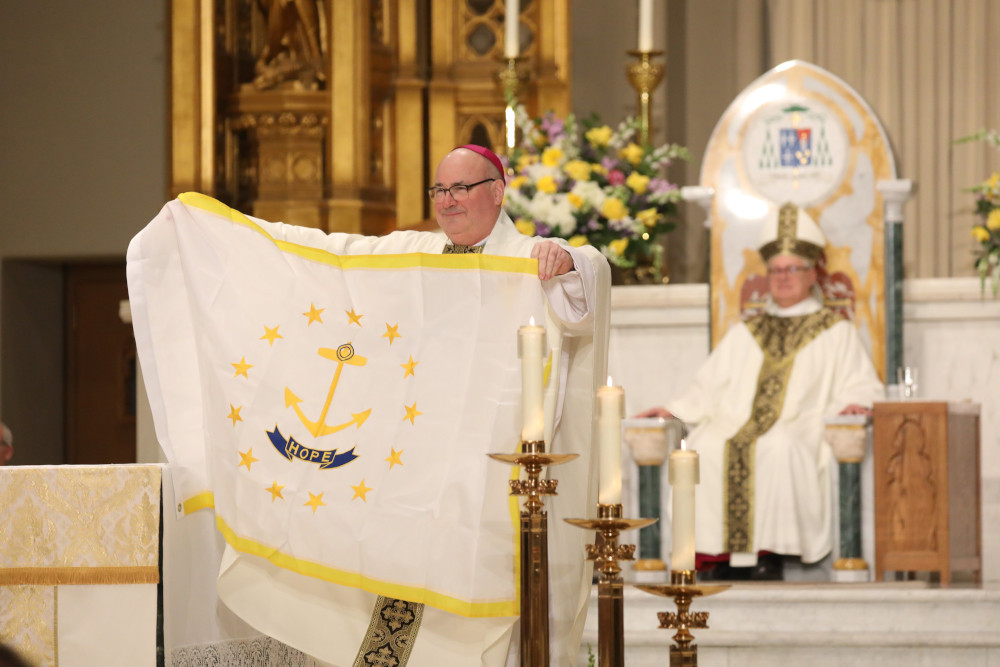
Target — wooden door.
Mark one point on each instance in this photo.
(100, 367)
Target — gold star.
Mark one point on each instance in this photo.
(241, 368)
(360, 490)
(394, 458)
(409, 366)
(234, 414)
(270, 334)
(246, 458)
(314, 501)
(391, 333)
(411, 412)
(353, 317)
(275, 490)
(314, 314)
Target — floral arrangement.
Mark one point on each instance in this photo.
(592, 185)
(987, 230)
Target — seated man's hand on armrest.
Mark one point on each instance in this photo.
(654, 412)
(853, 409)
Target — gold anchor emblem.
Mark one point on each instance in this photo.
(342, 355)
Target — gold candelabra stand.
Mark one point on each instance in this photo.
(534, 546)
(645, 75)
(682, 588)
(606, 552)
(510, 80)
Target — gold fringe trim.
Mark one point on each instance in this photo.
(62, 576)
(55, 624)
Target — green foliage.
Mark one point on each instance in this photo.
(987, 230)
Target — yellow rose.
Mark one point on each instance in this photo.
(994, 181)
(649, 217)
(578, 170)
(632, 153)
(598, 169)
(546, 184)
(578, 240)
(551, 156)
(613, 209)
(526, 161)
(980, 234)
(618, 247)
(526, 227)
(599, 136)
(637, 182)
(517, 182)
(993, 219)
(575, 199)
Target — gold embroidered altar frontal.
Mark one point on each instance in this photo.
(69, 537)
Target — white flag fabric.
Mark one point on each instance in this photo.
(336, 408)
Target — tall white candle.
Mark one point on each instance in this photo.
(512, 13)
(683, 476)
(645, 25)
(610, 408)
(531, 350)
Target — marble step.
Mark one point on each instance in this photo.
(883, 624)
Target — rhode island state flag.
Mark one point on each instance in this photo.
(333, 398)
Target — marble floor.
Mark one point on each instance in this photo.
(890, 624)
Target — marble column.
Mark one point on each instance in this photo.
(895, 192)
(847, 435)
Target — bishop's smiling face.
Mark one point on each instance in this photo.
(790, 279)
(470, 221)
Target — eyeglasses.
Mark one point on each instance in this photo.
(458, 192)
(788, 270)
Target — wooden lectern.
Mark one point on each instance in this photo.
(927, 499)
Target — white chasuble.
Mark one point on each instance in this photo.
(333, 398)
(789, 491)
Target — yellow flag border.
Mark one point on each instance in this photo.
(348, 262)
(355, 580)
(199, 501)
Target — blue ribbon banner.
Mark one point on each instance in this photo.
(325, 458)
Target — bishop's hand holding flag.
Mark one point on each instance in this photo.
(333, 397)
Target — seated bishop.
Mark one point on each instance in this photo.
(757, 407)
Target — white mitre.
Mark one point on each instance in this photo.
(790, 231)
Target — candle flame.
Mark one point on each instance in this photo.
(684, 445)
(531, 321)
(610, 383)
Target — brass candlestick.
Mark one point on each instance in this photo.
(606, 552)
(644, 76)
(510, 79)
(534, 546)
(683, 653)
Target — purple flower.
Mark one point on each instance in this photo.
(554, 127)
(541, 229)
(593, 225)
(608, 162)
(658, 185)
